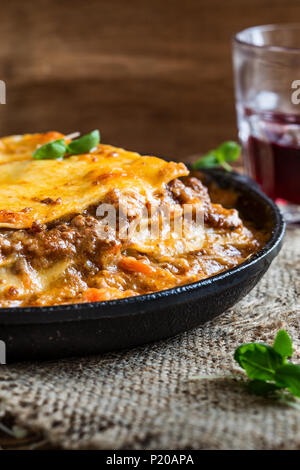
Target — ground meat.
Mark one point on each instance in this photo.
(190, 189)
(80, 237)
(185, 194)
(88, 261)
(197, 186)
(218, 217)
(77, 239)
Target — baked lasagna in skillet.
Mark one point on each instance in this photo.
(52, 248)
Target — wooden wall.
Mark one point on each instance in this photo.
(152, 75)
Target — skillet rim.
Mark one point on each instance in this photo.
(164, 298)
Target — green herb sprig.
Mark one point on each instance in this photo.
(84, 144)
(268, 367)
(58, 148)
(51, 151)
(226, 153)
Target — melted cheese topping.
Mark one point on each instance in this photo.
(45, 190)
(21, 147)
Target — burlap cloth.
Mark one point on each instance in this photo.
(147, 398)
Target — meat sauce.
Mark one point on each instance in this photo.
(67, 261)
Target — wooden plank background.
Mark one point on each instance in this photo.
(154, 76)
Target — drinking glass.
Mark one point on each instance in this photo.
(266, 62)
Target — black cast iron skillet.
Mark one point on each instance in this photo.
(81, 329)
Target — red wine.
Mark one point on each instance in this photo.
(274, 154)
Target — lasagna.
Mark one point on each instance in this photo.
(58, 246)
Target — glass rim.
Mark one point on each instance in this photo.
(268, 27)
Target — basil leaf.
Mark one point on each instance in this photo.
(52, 150)
(229, 151)
(259, 360)
(225, 165)
(208, 161)
(85, 143)
(266, 364)
(258, 387)
(288, 376)
(283, 344)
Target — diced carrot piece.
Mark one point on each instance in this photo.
(97, 295)
(134, 265)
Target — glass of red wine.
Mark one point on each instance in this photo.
(267, 81)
